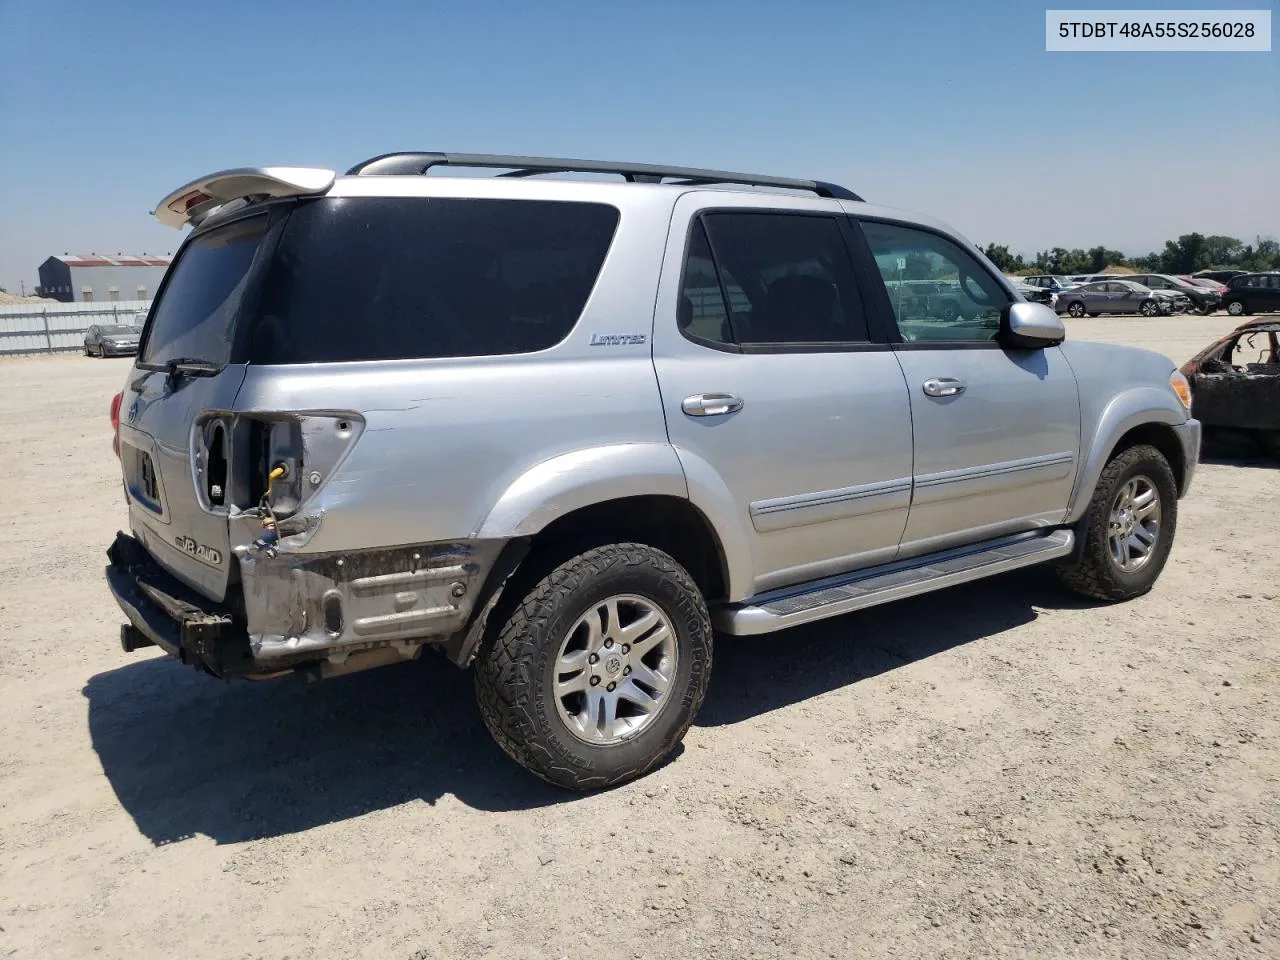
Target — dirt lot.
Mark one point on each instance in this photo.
(1000, 770)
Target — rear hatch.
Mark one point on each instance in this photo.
(173, 452)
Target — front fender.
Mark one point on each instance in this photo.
(1132, 408)
(553, 488)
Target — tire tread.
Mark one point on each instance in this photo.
(505, 676)
(1093, 575)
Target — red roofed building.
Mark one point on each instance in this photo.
(101, 279)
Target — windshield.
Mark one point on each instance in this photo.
(120, 330)
(194, 318)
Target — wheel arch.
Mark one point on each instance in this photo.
(1143, 415)
(638, 492)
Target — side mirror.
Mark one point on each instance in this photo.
(1031, 326)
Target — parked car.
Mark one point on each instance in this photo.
(1033, 294)
(1120, 296)
(1252, 293)
(580, 424)
(1204, 300)
(1054, 284)
(1214, 285)
(1222, 276)
(111, 340)
(1235, 385)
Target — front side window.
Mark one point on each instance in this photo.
(378, 278)
(770, 279)
(937, 290)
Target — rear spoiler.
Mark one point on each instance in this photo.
(193, 202)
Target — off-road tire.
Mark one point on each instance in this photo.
(514, 666)
(1092, 572)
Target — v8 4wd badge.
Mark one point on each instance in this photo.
(198, 550)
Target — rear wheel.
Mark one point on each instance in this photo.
(1128, 529)
(1235, 308)
(597, 673)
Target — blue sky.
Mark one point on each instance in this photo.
(951, 108)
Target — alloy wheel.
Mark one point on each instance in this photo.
(614, 669)
(1134, 523)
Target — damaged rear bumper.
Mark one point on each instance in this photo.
(290, 609)
(165, 612)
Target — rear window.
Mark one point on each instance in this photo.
(194, 317)
(402, 278)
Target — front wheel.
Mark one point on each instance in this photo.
(1128, 529)
(1076, 309)
(598, 672)
(1235, 308)
(1149, 308)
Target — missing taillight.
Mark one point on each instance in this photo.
(115, 422)
(216, 466)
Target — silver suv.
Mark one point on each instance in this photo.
(562, 428)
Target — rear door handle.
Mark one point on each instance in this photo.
(943, 387)
(710, 404)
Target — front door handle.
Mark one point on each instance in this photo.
(943, 387)
(710, 404)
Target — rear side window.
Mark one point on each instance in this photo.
(388, 279)
(769, 279)
(195, 315)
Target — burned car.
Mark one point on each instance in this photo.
(1235, 385)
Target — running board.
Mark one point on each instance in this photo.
(792, 606)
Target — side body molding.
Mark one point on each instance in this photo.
(1132, 408)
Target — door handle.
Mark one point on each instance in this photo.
(943, 387)
(710, 404)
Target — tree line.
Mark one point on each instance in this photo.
(1189, 253)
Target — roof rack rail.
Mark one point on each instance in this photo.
(418, 163)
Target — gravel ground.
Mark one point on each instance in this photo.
(1002, 769)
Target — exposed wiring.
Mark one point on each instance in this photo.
(278, 472)
(268, 516)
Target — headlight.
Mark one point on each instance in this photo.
(1181, 387)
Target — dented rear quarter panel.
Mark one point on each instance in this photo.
(495, 447)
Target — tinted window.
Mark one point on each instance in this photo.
(195, 314)
(383, 279)
(788, 279)
(938, 291)
(702, 311)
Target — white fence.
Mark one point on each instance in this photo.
(54, 327)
